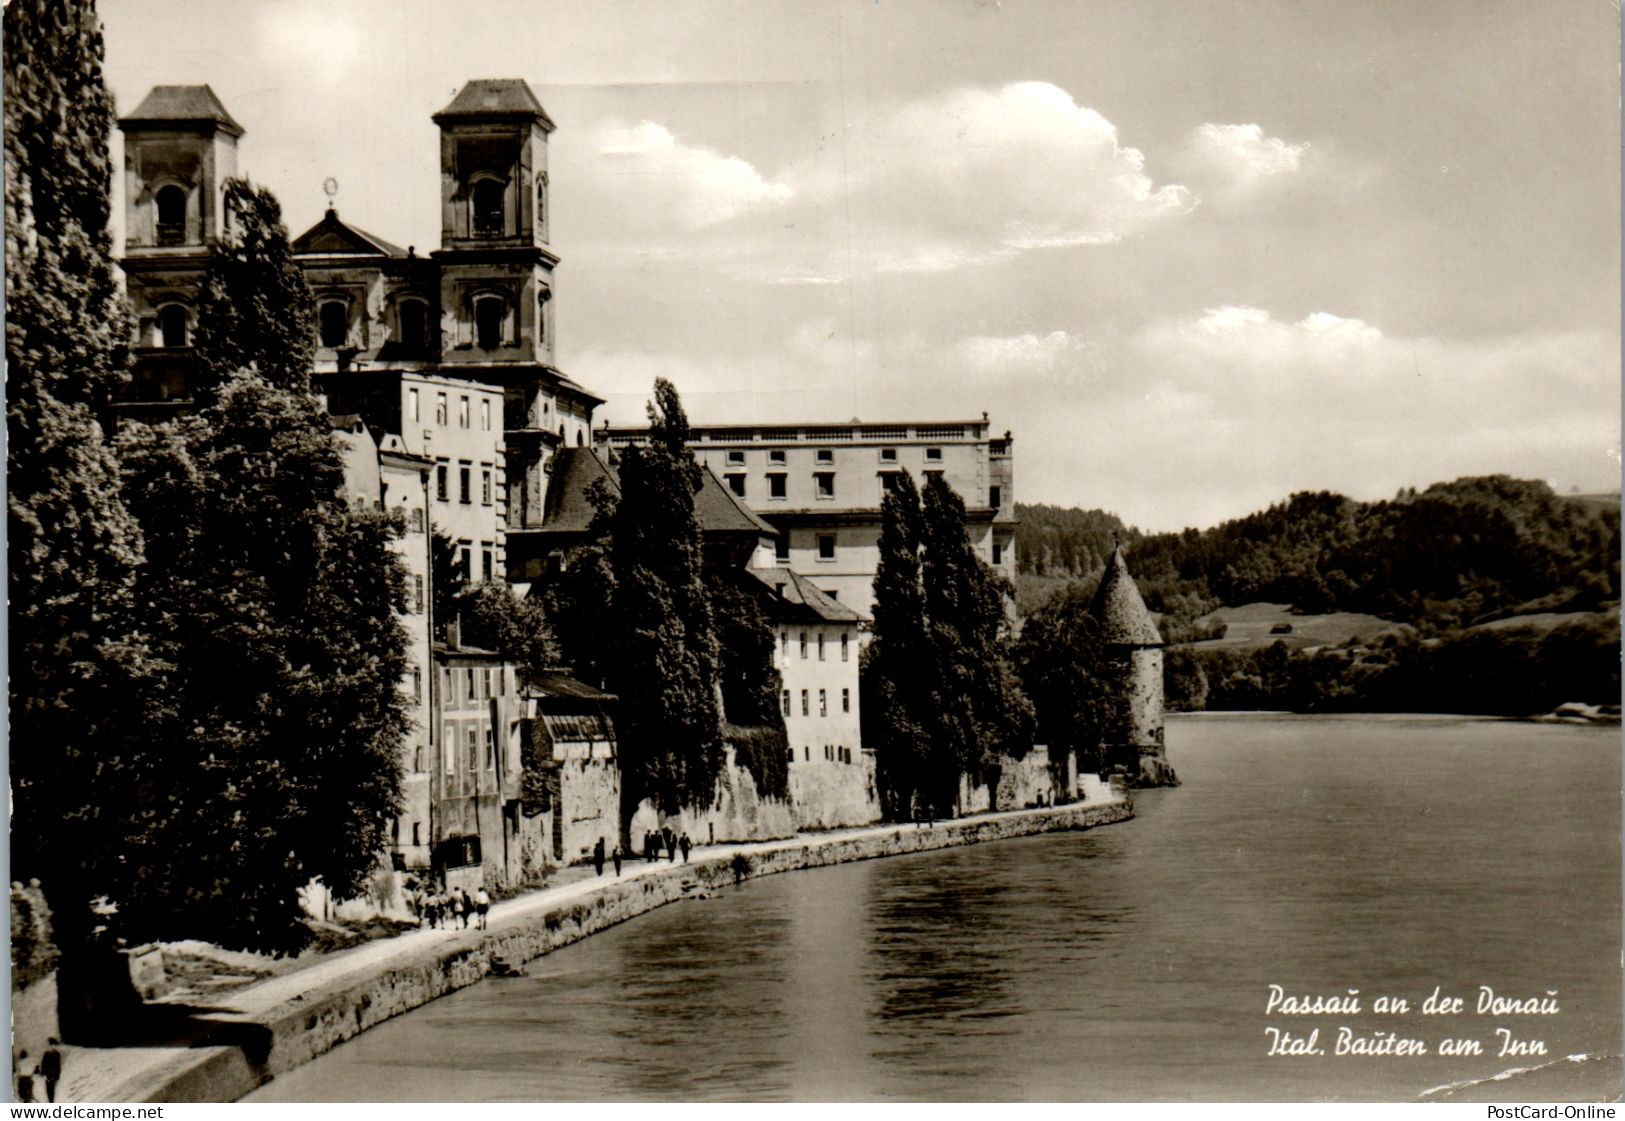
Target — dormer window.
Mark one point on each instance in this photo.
(489, 311)
(335, 324)
(487, 206)
(414, 320)
(172, 326)
(170, 203)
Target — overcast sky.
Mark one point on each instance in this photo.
(1195, 255)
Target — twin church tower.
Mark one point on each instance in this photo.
(478, 309)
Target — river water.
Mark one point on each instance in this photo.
(1132, 962)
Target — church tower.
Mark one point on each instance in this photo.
(180, 146)
(1133, 650)
(496, 292)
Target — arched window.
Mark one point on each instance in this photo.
(541, 315)
(581, 438)
(335, 323)
(170, 203)
(414, 317)
(541, 200)
(489, 312)
(487, 199)
(172, 325)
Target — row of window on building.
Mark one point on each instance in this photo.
(827, 455)
(824, 485)
(442, 415)
(784, 645)
(833, 753)
(465, 482)
(823, 702)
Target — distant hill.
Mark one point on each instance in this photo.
(1455, 554)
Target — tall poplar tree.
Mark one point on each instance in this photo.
(665, 664)
(75, 660)
(967, 604)
(898, 671)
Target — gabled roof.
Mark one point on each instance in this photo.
(569, 510)
(790, 597)
(495, 97)
(1123, 618)
(173, 105)
(331, 235)
(720, 511)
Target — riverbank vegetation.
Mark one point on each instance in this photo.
(940, 697)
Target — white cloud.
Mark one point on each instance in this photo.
(1245, 153)
(1025, 353)
(657, 180)
(1021, 166)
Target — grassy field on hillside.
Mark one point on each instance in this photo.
(1249, 627)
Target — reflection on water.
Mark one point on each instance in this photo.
(1125, 963)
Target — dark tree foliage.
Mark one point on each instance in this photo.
(76, 662)
(1065, 542)
(448, 580)
(899, 678)
(255, 310)
(1062, 666)
(1501, 671)
(496, 618)
(750, 681)
(664, 667)
(276, 719)
(1452, 555)
(577, 601)
(985, 711)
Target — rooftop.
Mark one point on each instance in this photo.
(334, 236)
(569, 510)
(794, 598)
(495, 97)
(173, 105)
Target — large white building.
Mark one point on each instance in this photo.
(821, 486)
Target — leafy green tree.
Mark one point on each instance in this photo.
(899, 678)
(276, 720)
(665, 664)
(77, 662)
(967, 602)
(255, 309)
(1062, 666)
(496, 618)
(749, 680)
(448, 580)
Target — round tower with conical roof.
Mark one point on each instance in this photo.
(1132, 740)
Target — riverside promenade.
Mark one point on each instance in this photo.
(253, 1034)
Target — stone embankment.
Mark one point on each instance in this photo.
(288, 1020)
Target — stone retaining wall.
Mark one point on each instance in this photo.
(298, 1030)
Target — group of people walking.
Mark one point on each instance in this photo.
(653, 842)
(438, 907)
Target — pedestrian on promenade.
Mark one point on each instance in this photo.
(598, 856)
(50, 1067)
(685, 844)
(459, 906)
(651, 847)
(671, 844)
(25, 1078)
(482, 907)
(616, 857)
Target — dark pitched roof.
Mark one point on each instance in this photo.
(790, 597)
(557, 683)
(720, 511)
(569, 510)
(1123, 618)
(495, 97)
(331, 235)
(178, 104)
